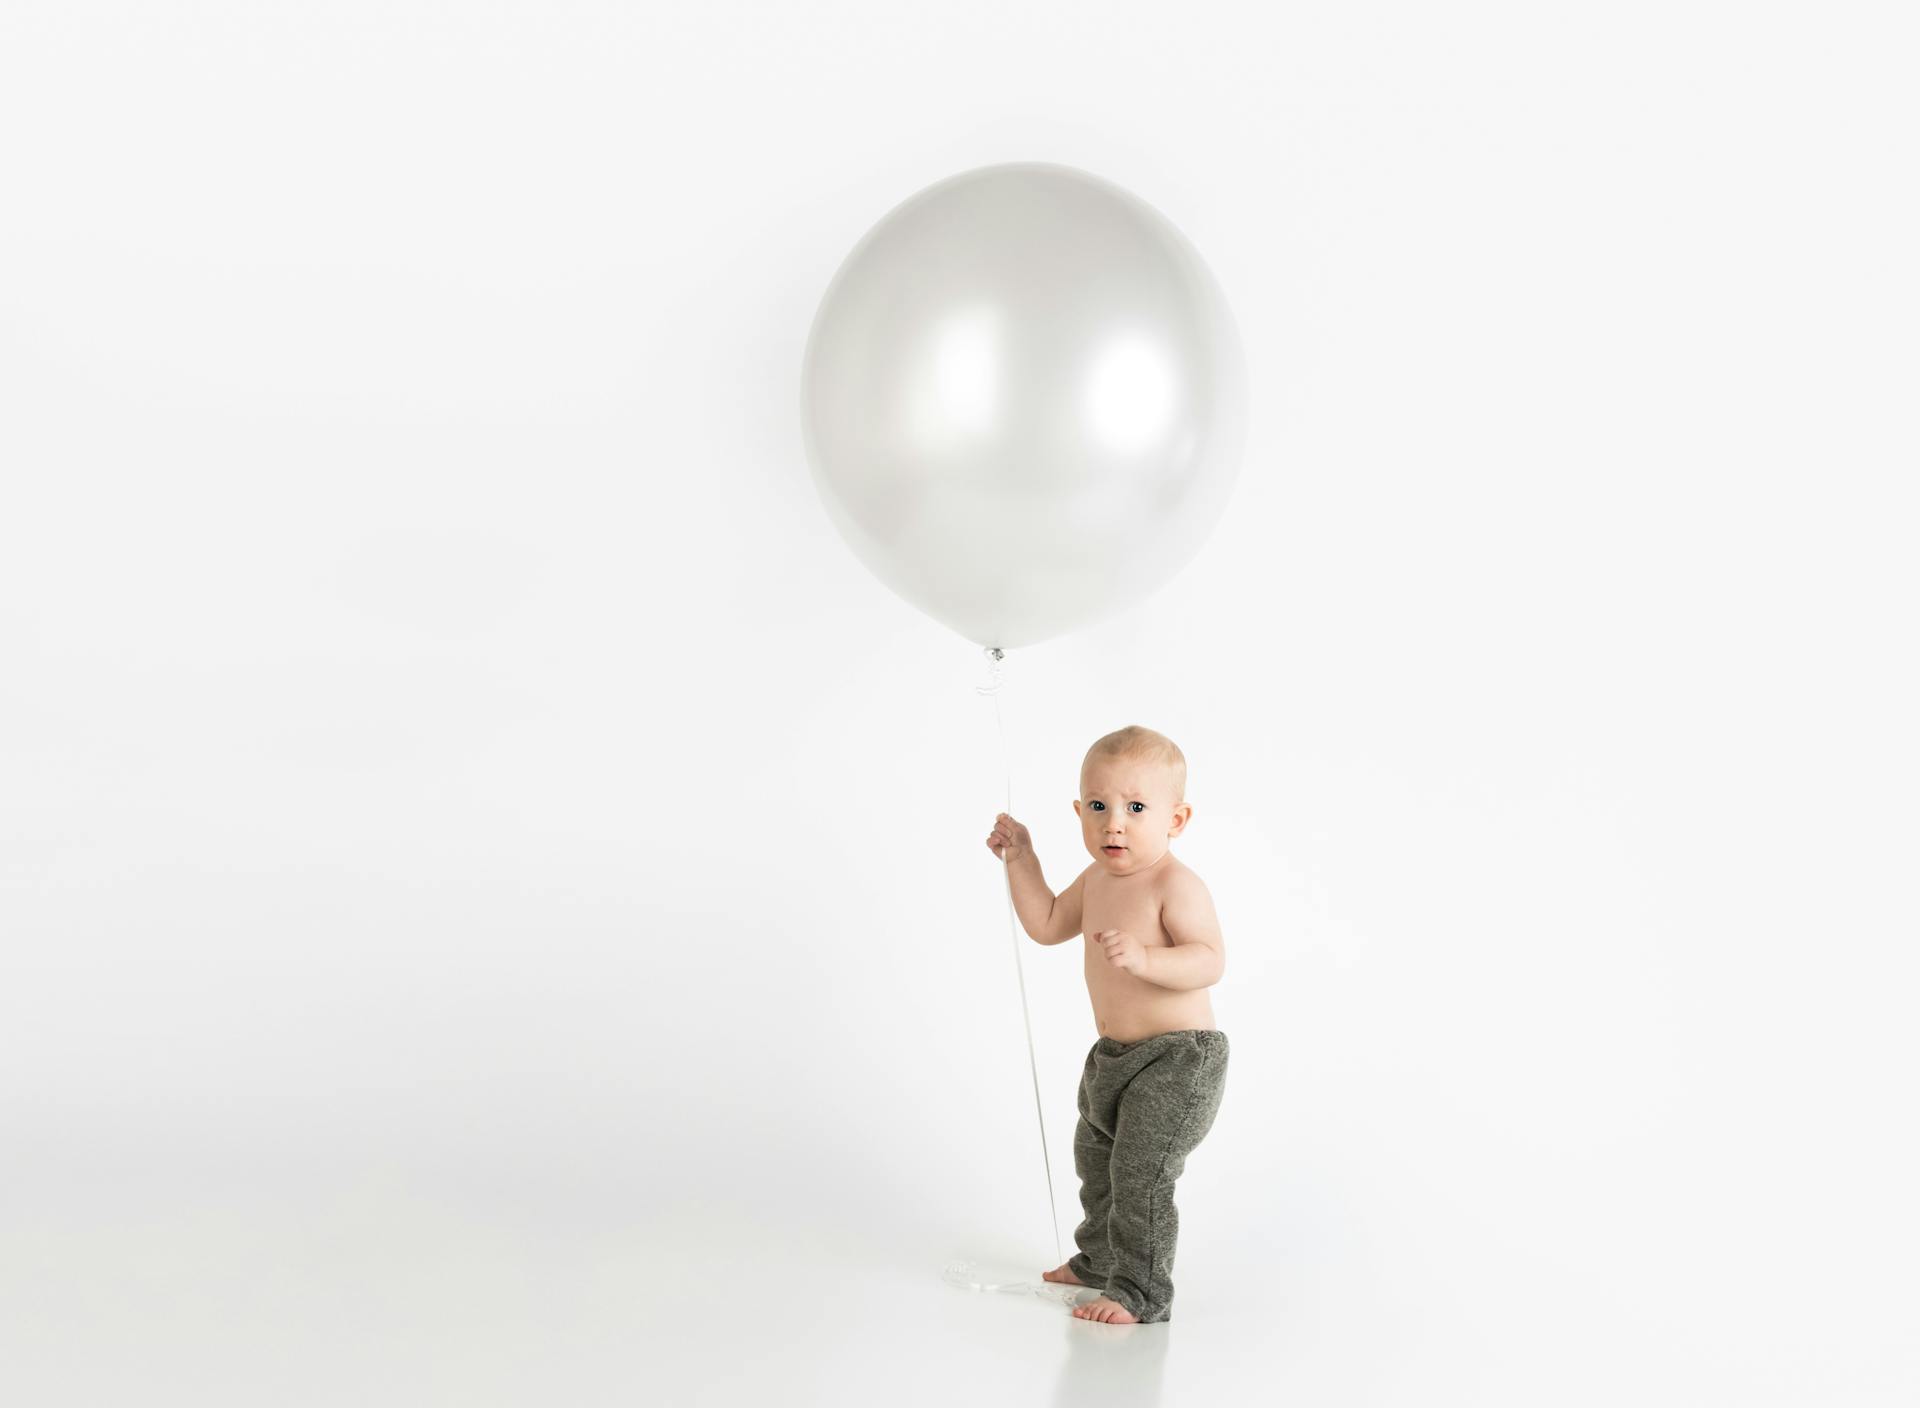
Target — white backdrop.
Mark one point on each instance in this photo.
(492, 896)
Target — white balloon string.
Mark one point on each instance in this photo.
(994, 680)
(994, 656)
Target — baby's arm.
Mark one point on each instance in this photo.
(1064, 921)
(1198, 957)
(1047, 918)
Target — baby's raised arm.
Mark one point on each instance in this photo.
(1047, 918)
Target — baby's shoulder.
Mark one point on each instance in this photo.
(1178, 877)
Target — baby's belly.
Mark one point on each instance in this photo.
(1127, 1008)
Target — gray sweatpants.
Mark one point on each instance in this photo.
(1144, 1106)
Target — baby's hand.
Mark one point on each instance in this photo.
(1124, 951)
(1009, 840)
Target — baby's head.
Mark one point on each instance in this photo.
(1132, 799)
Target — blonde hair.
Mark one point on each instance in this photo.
(1141, 744)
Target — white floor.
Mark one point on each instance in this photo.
(522, 1285)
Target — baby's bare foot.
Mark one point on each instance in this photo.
(1101, 1308)
(1062, 1272)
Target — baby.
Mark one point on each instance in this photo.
(1153, 1080)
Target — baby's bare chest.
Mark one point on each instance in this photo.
(1117, 905)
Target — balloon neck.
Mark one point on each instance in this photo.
(994, 656)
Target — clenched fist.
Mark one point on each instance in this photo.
(1009, 840)
(1123, 950)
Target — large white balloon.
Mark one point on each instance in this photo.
(1023, 400)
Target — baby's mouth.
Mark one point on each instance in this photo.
(1112, 850)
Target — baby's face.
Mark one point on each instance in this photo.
(1128, 813)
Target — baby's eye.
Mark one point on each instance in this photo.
(1141, 805)
(1098, 806)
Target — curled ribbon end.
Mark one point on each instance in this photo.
(994, 656)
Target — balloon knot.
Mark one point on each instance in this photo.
(994, 656)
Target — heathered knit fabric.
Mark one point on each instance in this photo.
(1144, 1106)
